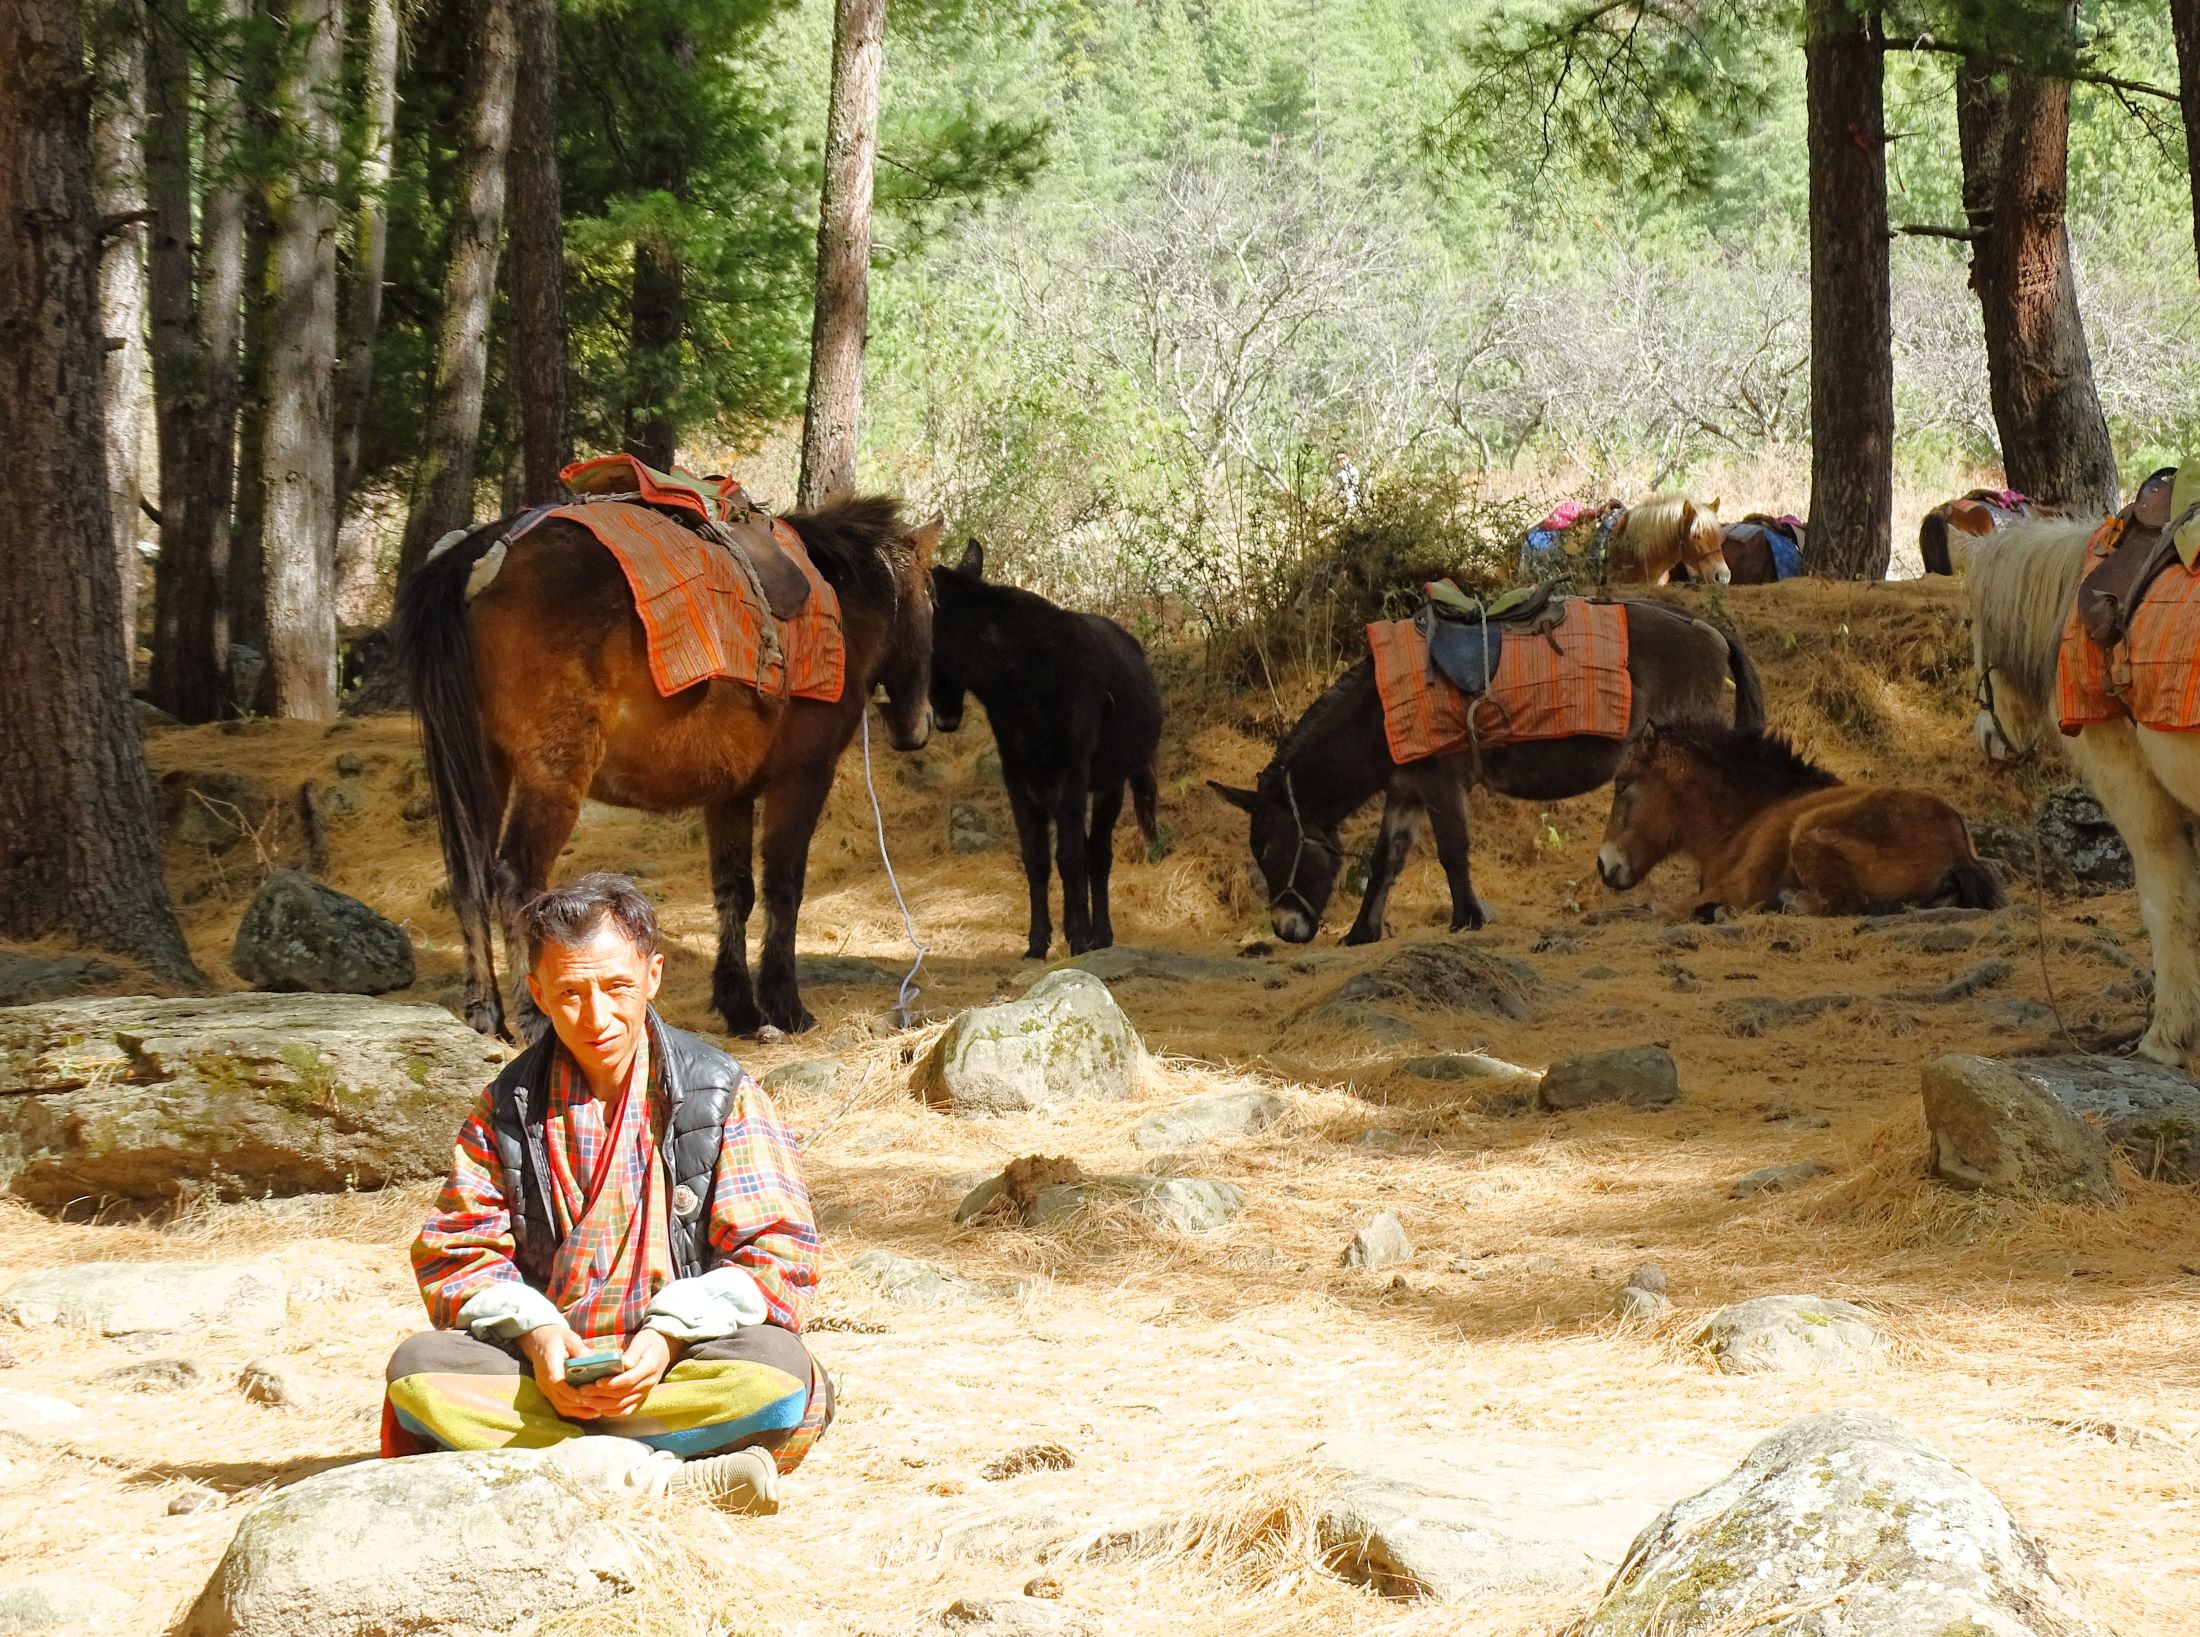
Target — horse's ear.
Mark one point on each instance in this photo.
(1713, 508)
(973, 560)
(1241, 799)
(924, 541)
(1647, 740)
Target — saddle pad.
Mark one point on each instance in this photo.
(2164, 643)
(1580, 689)
(700, 611)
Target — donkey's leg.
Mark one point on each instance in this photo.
(1107, 807)
(2174, 760)
(1032, 841)
(730, 825)
(1069, 857)
(1401, 823)
(791, 807)
(2157, 829)
(1447, 822)
(535, 832)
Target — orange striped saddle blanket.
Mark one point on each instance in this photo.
(2154, 676)
(704, 614)
(1573, 682)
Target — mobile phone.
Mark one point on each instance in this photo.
(584, 1368)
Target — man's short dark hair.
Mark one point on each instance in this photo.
(570, 915)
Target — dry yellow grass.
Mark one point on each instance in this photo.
(1191, 1377)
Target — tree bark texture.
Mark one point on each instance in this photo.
(248, 550)
(300, 472)
(2184, 23)
(370, 242)
(443, 489)
(79, 856)
(2014, 131)
(1851, 305)
(839, 322)
(659, 317)
(195, 297)
(118, 175)
(537, 253)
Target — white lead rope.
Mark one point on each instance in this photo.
(909, 987)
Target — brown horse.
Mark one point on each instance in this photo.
(533, 690)
(1666, 532)
(1336, 759)
(1769, 829)
(1946, 533)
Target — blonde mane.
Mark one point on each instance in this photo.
(1656, 529)
(2022, 582)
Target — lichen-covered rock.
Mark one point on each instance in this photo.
(1065, 1042)
(907, 1282)
(968, 829)
(1997, 1131)
(1791, 1335)
(60, 1604)
(1643, 1076)
(807, 1077)
(300, 936)
(1380, 1244)
(28, 978)
(132, 1298)
(2150, 1112)
(1842, 1525)
(1774, 1179)
(456, 1545)
(2077, 833)
(139, 1099)
(1204, 1119)
(1184, 1204)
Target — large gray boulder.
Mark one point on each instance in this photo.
(1464, 1520)
(1205, 1119)
(1998, 1132)
(299, 936)
(2150, 1112)
(2076, 832)
(1842, 1525)
(1791, 1335)
(459, 1545)
(133, 1298)
(139, 1099)
(1066, 1041)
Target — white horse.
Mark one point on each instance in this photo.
(2023, 584)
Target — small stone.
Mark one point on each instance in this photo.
(8, 1360)
(33, 1412)
(1641, 1076)
(349, 764)
(1028, 1458)
(194, 1498)
(968, 828)
(268, 1384)
(1642, 1304)
(1463, 1066)
(158, 1375)
(1377, 1138)
(1378, 1245)
(61, 1604)
(1773, 1179)
(1205, 1119)
(806, 1077)
(1004, 1617)
(1792, 1335)
(1995, 1131)
(907, 1282)
(1650, 1276)
(1043, 1585)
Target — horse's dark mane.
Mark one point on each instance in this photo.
(1316, 718)
(1766, 761)
(852, 543)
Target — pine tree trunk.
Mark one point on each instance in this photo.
(841, 318)
(443, 490)
(1851, 303)
(2184, 24)
(300, 471)
(118, 177)
(248, 553)
(2014, 130)
(537, 250)
(79, 856)
(370, 244)
(659, 316)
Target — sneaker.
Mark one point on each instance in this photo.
(745, 1481)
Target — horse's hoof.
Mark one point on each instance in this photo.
(740, 1018)
(483, 1018)
(1357, 936)
(1035, 952)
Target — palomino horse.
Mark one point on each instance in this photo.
(2021, 594)
(1948, 533)
(1662, 533)
(1768, 829)
(536, 692)
(1336, 759)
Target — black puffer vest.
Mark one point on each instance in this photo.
(696, 1081)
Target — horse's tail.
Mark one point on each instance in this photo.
(1974, 885)
(435, 652)
(1932, 543)
(1145, 800)
(1749, 690)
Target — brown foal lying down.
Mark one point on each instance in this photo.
(1768, 829)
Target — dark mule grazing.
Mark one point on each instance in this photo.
(1768, 829)
(537, 692)
(1077, 718)
(1336, 759)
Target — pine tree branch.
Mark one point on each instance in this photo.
(2077, 76)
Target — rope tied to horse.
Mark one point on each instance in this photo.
(909, 988)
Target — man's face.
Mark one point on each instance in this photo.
(597, 997)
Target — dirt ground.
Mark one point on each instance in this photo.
(1190, 1377)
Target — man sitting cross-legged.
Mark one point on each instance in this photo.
(619, 1186)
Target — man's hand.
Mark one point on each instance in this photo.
(648, 1356)
(547, 1347)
